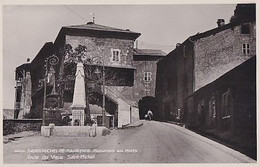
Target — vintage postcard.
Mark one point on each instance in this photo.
(129, 83)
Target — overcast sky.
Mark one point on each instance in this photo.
(27, 28)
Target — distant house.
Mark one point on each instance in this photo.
(201, 59)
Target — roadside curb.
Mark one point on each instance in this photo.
(132, 125)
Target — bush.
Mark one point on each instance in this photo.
(11, 127)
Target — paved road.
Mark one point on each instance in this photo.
(154, 142)
(159, 142)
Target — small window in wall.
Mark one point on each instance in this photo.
(147, 87)
(245, 48)
(212, 110)
(147, 76)
(245, 29)
(115, 55)
(226, 105)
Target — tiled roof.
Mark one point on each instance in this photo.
(97, 27)
(149, 52)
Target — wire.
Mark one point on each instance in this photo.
(75, 13)
(142, 42)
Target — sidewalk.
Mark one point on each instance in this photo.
(133, 124)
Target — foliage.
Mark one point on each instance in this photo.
(244, 13)
(11, 127)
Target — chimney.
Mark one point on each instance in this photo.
(221, 22)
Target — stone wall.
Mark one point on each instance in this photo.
(102, 47)
(217, 54)
(140, 85)
(165, 86)
(135, 114)
(233, 125)
(123, 113)
(174, 80)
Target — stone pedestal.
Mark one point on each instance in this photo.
(78, 117)
(79, 98)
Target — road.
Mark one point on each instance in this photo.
(154, 142)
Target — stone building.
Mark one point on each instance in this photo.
(129, 73)
(113, 49)
(145, 79)
(201, 59)
(226, 108)
(23, 100)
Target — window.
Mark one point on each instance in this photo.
(115, 55)
(226, 105)
(245, 29)
(245, 48)
(147, 76)
(212, 111)
(147, 87)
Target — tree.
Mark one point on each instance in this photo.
(113, 76)
(244, 13)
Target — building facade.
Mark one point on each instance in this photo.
(96, 46)
(228, 103)
(129, 74)
(145, 79)
(226, 108)
(200, 60)
(23, 90)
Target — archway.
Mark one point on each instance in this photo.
(148, 103)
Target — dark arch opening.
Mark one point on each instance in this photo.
(148, 103)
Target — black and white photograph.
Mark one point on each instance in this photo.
(129, 83)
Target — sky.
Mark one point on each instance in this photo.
(27, 28)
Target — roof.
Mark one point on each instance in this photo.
(116, 66)
(47, 50)
(216, 30)
(95, 109)
(207, 34)
(95, 30)
(149, 52)
(25, 66)
(98, 27)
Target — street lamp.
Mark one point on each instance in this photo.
(97, 71)
(52, 60)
